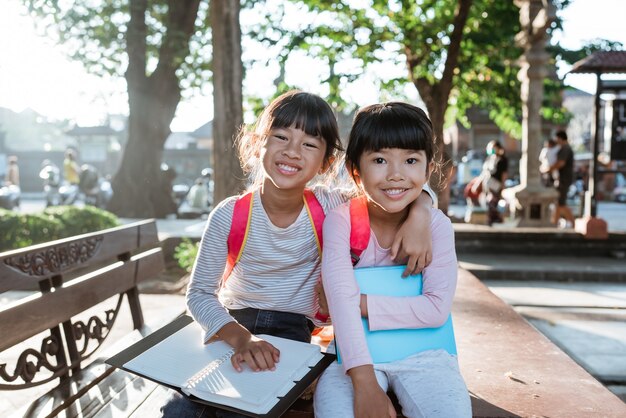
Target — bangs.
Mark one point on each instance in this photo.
(391, 125)
(389, 130)
(307, 113)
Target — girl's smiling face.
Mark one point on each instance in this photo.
(291, 158)
(392, 178)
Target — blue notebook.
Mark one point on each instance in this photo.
(391, 345)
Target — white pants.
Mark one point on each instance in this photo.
(428, 384)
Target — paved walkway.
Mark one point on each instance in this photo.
(586, 320)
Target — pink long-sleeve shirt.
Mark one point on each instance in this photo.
(431, 309)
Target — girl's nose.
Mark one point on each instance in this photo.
(394, 173)
(292, 150)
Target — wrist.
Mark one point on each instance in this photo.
(362, 376)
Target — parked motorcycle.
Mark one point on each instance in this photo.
(199, 198)
(95, 188)
(10, 196)
(56, 192)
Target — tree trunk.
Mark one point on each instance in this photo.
(227, 96)
(435, 95)
(140, 188)
(441, 177)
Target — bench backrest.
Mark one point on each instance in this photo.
(68, 277)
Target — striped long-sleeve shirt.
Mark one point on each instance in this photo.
(277, 271)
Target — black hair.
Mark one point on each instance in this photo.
(561, 135)
(298, 109)
(389, 125)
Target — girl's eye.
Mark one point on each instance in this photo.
(379, 160)
(310, 145)
(281, 137)
(411, 161)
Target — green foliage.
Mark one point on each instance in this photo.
(17, 230)
(185, 253)
(21, 230)
(95, 33)
(81, 220)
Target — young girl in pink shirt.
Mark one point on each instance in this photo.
(389, 155)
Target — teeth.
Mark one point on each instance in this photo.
(287, 168)
(394, 191)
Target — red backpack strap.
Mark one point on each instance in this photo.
(316, 216)
(239, 227)
(359, 228)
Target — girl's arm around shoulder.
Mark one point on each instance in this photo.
(207, 271)
(432, 308)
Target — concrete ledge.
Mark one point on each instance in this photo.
(512, 370)
(483, 239)
(544, 267)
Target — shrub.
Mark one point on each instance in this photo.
(19, 230)
(81, 220)
(185, 253)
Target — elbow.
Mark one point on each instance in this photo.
(440, 319)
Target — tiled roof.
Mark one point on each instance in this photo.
(92, 131)
(603, 62)
(205, 131)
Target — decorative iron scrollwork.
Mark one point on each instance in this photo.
(55, 259)
(95, 329)
(31, 361)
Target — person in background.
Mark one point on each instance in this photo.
(71, 169)
(565, 167)
(547, 158)
(495, 172)
(13, 172)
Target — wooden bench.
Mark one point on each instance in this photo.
(51, 335)
(512, 370)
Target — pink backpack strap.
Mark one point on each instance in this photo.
(239, 227)
(316, 216)
(359, 228)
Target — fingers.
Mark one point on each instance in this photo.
(257, 358)
(236, 361)
(416, 264)
(395, 247)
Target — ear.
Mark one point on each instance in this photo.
(326, 164)
(429, 169)
(354, 172)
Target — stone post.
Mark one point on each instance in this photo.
(530, 201)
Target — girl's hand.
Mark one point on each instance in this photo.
(370, 400)
(413, 241)
(258, 354)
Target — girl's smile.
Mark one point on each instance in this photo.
(392, 178)
(291, 158)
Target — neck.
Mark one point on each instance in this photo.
(282, 206)
(384, 219)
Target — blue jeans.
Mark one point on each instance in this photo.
(281, 324)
